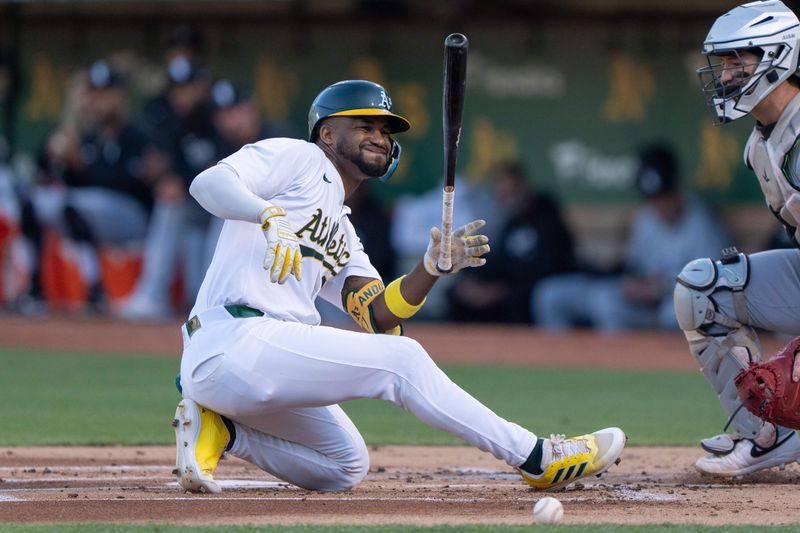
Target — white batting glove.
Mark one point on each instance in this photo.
(467, 248)
(283, 247)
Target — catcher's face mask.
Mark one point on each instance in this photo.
(750, 50)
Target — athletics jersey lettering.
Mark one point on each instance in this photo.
(297, 176)
(323, 231)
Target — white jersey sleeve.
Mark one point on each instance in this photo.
(358, 265)
(268, 168)
(220, 191)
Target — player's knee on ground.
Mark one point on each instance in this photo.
(352, 466)
(355, 468)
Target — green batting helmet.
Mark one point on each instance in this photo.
(357, 98)
(354, 98)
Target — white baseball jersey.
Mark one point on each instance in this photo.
(297, 176)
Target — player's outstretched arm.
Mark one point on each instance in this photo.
(220, 191)
(378, 309)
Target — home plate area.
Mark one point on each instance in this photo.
(406, 485)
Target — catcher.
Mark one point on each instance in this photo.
(752, 54)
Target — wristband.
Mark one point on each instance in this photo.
(269, 212)
(397, 304)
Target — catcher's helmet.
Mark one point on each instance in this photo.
(768, 29)
(357, 98)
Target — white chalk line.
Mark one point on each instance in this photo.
(35, 469)
(9, 498)
(81, 479)
(79, 489)
(233, 483)
(228, 483)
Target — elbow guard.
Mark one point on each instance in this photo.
(359, 306)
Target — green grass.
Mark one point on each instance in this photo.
(113, 528)
(69, 398)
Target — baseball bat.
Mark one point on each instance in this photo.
(455, 85)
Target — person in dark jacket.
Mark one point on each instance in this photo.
(94, 186)
(533, 243)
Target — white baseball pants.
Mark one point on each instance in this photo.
(280, 383)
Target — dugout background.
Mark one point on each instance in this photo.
(570, 87)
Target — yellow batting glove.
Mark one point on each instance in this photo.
(283, 247)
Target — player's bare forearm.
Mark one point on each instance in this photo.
(417, 284)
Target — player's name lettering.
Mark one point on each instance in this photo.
(323, 231)
(370, 292)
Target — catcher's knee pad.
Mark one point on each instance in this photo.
(722, 345)
(700, 279)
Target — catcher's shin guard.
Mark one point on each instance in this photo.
(723, 354)
(721, 359)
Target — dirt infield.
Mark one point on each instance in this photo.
(409, 485)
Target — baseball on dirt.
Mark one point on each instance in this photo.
(548, 511)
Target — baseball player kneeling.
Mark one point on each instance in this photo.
(261, 378)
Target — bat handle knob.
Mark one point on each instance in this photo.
(444, 271)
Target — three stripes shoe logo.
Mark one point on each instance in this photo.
(570, 471)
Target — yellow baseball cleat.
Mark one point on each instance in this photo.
(201, 438)
(578, 457)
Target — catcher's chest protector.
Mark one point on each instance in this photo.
(768, 157)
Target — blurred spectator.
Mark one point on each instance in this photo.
(238, 119)
(14, 262)
(8, 91)
(670, 230)
(93, 185)
(533, 243)
(373, 226)
(180, 232)
(780, 238)
(414, 216)
(185, 41)
(186, 45)
(412, 220)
